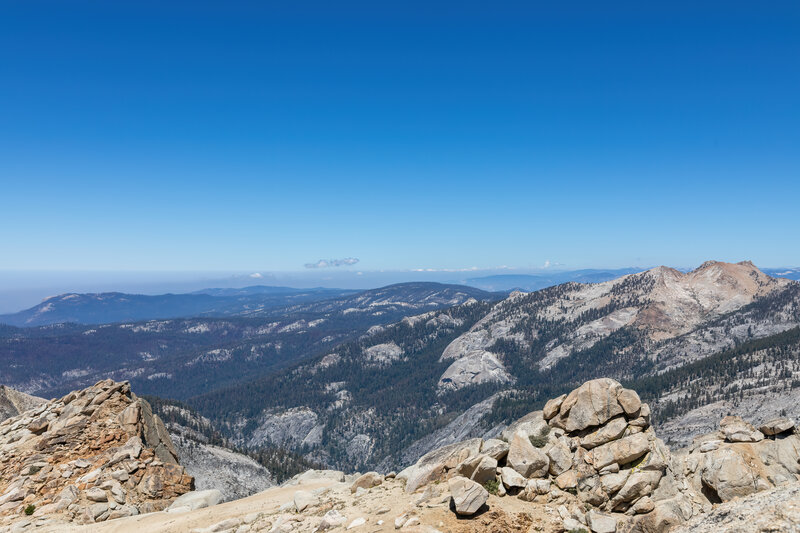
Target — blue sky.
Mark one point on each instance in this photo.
(264, 136)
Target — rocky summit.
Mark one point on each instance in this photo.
(91, 456)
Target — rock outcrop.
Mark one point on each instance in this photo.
(738, 460)
(93, 455)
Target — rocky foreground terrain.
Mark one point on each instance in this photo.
(589, 461)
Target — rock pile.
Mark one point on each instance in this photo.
(592, 449)
(93, 455)
(602, 447)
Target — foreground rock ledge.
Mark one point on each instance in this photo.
(93, 455)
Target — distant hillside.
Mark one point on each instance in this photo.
(180, 358)
(111, 307)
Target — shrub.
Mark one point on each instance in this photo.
(540, 440)
(492, 486)
(30, 509)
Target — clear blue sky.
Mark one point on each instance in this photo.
(267, 135)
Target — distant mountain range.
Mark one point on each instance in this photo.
(264, 300)
(110, 307)
(179, 357)
(376, 378)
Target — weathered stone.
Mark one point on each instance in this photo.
(39, 425)
(531, 424)
(533, 488)
(432, 466)
(664, 517)
(776, 426)
(468, 497)
(630, 402)
(591, 404)
(525, 458)
(495, 448)
(613, 482)
(552, 406)
(643, 505)
(367, 481)
(485, 470)
(511, 478)
(710, 445)
(638, 484)
(198, 499)
(303, 499)
(600, 522)
(96, 495)
(737, 430)
(97, 511)
(620, 451)
(560, 458)
(331, 520)
(728, 474)
(358, 522)
(567, 480)
(612, 430)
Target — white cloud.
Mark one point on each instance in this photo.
(328, 263)
(256, 275)
(546, 264)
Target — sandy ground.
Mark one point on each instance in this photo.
(380, 506)
(266, 502)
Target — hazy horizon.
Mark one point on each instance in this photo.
(23, 289)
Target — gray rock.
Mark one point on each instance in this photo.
(433, 465)
(560, 458)
(630, 402)
(525, 458)
(511, 478)
(367, 481)
(776, 426)
(96, 494)
(737, 430)
(331, 520)
(612, 430)
(468, 496)
(591, 404)
(620, 451)
(552, 406)
(600, 522)
(197, 499)
(485, 470)
(495, 448)
(303, 499)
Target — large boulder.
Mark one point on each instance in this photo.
(366, 481)
(776, 426)
(435, 464)
(525, 458)
(467, 496)
(591, 404)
